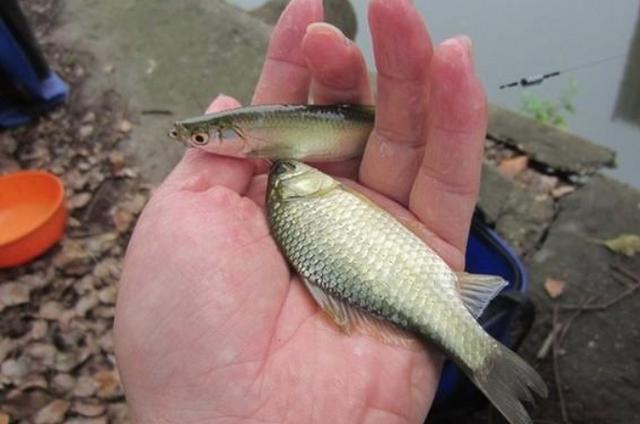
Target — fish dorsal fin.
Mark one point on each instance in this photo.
(351, 320)
(477, 290)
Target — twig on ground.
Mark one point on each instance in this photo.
(556, 369)
(156, 112)
(605, 305)
(626, 272)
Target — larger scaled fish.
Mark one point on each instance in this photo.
(305, 132)
(367, 271)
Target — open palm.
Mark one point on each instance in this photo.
(211, 325)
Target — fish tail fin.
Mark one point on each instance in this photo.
(507, 380)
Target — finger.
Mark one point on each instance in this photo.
(338, 70)
(285, 77)
(402, 49)
(339, 75)
(199, 170)
(446, 186)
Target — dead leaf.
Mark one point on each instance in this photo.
(122, 219)
(53, 413)
(80, 200)
(88, 409)
(7, 345)
(89, 117)
(51, 310)
(15, 368)
(86, 303)
(124, 126)
(625, 244)
(117, 160)
(73, 252)
(109, 383)
(4, 418)
(513, 166)
(108, 295)
(561, 191)
(554, 288)
(33, 382)
(13, 294)
(63, 382)
(85, 131)
(86, 387)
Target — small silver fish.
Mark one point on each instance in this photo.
(369, 272)
(305, 132)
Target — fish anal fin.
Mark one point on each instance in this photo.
(477, 290)
(351, 320)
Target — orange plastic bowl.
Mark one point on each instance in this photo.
(32, 215)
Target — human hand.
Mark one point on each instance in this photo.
(211, 324)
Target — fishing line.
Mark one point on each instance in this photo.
(539, 79)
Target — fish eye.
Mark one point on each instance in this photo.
(200, 138)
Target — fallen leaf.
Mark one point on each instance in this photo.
(124, 126)
(13, 294)
(21, 405)
(122, 219)
(7, 345)
(109, 383)
(73, 252)
(513, 166)
(53, 413)
(625, 244)
(88, 409)
(85, 387)
(80, 200)
(51, 310)
(33, 382)
(63, 383)
(554, 288)
(117, 160)
(15, 368)
(108, 295)
(89, 117)
(92, 420)
(85, 131)
(86, 303)
(561, 191)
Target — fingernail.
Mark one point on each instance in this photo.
(462, 44)
(325, 28)
(467, 42)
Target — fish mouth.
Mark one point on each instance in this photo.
(174, 133)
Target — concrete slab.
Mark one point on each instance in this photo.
(519, 215)
(547, 145)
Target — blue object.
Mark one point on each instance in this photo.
(486, 253)
(29, 87)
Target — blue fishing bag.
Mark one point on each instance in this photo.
(508, 318)
(27, 85)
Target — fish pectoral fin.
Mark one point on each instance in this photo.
(477, 290)
(332, 307)
(352, 320)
